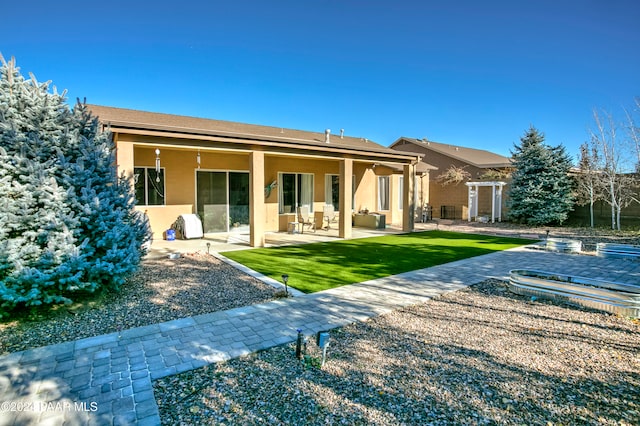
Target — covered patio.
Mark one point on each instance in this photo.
(218, 242)
(236, 174)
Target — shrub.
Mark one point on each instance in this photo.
(68, 221)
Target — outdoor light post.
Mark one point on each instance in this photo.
(299, 342)
(285, 278)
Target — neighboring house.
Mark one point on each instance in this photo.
(485, 186)
(249, 176)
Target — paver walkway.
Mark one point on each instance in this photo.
(106, 380)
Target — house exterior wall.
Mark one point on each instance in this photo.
(422, 195)
(253, 158)
(393, 215)
(366, 184)
(452, 201)
(180, 165)
(275, 165)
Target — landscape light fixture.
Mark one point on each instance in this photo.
(322, 340)
(285, 278)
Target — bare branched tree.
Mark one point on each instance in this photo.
(616, 165)
(634, 131)
(496, 174)
(453, 175)
(589, 182)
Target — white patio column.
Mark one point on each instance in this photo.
(408, 202)
(476, 200)
(473, 198)
(346, 183)
(499, 202)
(469, 202)
(256, 199)
(493, 203)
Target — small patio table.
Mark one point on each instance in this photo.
(294, 228)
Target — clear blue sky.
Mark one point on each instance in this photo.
(470, 73)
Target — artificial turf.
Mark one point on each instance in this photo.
(320, 266)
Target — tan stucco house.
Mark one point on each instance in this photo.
(236, 174)
(483, 195)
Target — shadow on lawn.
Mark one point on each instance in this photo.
(313, 267)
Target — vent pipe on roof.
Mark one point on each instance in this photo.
(327, 136)
(341, 133)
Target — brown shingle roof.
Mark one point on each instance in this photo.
(121, 118)
(476, 157)
(421, 167)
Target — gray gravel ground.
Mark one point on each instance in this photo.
(478, 356)
(166, 289)
(162, 290)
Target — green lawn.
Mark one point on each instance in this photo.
(320, 266)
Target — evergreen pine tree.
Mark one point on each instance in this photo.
(541, 188)
(68, 223)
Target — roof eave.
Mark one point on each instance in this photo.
(253, 140)
(452, 155)
(491, 165)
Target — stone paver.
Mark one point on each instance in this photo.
(107, 379)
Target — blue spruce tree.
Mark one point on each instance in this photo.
(541, 188)
(68, 223)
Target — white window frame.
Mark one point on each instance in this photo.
(384, 182)
(328, 190)
(297, 202)
(145, 177)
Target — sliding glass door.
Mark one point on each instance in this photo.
(295, 190)
(212, 201)
(238, 200)
(222, 200)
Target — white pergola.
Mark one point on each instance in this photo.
(496, 203)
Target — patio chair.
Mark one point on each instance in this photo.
(306, 218)
(328, 214)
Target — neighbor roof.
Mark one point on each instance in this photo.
(477, 157)
(123, 120)
(421, 167)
